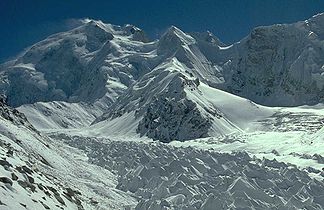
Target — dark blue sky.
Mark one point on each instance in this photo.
(24, 22)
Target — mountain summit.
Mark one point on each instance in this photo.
(117, 70)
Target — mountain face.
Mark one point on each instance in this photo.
(280, 65)
(71, 66)
(149, 85)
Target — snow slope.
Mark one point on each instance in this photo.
(37, 172)
(59, 114)
(23, 184)
(98, 95)
(238, 112)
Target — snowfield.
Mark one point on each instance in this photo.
(100, 117)
(161, 176)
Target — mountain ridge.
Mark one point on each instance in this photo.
(117, 70)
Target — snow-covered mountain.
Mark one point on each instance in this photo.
(169, 105)
(72, 66)
(116, 72)
(89, 102)
(279, 65)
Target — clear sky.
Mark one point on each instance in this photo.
(24, 22)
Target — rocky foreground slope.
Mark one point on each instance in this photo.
(23, 184)
(38, 173)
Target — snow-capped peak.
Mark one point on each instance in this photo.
(174, 39)
(133, 32)
(173, 31)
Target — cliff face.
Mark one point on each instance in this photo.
(280, 65)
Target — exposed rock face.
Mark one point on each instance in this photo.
(168, 119)
(13, 115)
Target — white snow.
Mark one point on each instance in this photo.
(56, 115)
(99, 95)
(239, 112)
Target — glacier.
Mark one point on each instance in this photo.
(102, 117)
